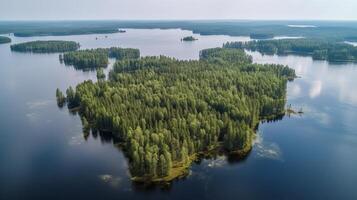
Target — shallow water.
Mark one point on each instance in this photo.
(43, 153)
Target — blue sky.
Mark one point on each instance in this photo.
(177, 9)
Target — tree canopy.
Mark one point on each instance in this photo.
(52, 46)
(189, 39)
(86, 59)
(167, 111)
(96, 58)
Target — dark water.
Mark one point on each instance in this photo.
(43, 154)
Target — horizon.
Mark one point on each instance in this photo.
(212, 19)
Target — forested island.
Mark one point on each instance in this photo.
(86, 59)
(168, 112)
(189, 39)
(52, 46)
(96, 58)
(318, 49)
(4, 40)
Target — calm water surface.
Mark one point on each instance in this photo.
(44, 155)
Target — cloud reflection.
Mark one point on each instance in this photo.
(317, 115)
(315, 89)
(38, 104)
(268, 150)
(35, 109)
(217, 162)
(110, 180)
(294, 90)
(76, 140)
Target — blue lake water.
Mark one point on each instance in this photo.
(43, 154)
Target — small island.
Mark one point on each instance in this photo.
(97, 58)
(86, 59)
(319, 49)
(168, 112)
(189, 39)
(53, 46)
(4, 40)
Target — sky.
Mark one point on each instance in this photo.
(178, 9)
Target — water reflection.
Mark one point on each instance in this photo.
(106, 69)
(111, 180)
(149, 41)
(266, 149)
(315, 89)
(317, 77)
(105, 137)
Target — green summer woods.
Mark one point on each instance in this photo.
(318, 49)
(86, 59)
(189, 39)
(96, 58)
(167, 112)
(4, 40)
(46, 46)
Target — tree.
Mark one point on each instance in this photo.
(61, 99)
(100, 74)
(166, 110)
(46, 46)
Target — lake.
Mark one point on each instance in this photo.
(44, 155)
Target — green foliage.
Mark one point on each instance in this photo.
(189, 39)
(61, 99)
(96, 58)
(86, 59)
(72, 98)
(124, 53)
(167, 110)
(320, 54)
(100, 74)
(4, 40)
(45, 46)
(318, 49)
(229, 55)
